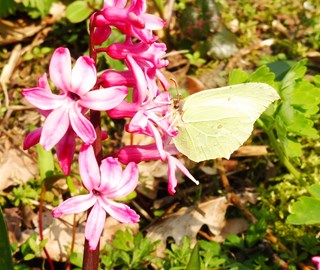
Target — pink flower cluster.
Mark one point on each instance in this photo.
(80, 90)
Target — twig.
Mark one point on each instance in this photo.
(43, 191)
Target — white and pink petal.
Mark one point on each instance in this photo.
(89, 169)
(74, 205)
(81, 125)
(55, 127)
(60, 69)
(95, 224)
(83, 76)
(104, 99)
(43, 99)
(119, 211)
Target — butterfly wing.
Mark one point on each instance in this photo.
(215, 122)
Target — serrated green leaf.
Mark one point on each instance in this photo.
(306, 98)
(297, 72)
(302, 126)
(262, 74)
(194, 261)
(296, 122)
(123, 240)
(237, 76)
(6, 257)
(305, 211)
(78, 11)
(314, 190)
(293, 147)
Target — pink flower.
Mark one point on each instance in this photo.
(75, 98)
(316, 260)
(130, 19)
(139, 153)
(145, 60)
(104, 185)
(148, 118)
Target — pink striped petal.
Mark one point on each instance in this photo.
(55, 127)
(95, 225)
(185, 171)
(172, 179)
(119, 211)
(152, 22)
(83, 76)
(89, 169)
(138, 6)
(81, 125)
(111, 173)
(129, 182)
(60, 69)
(104, 99)
(43, 99)
(43, 83)
(32, 138)
(125, 185)
(74, 205)
(141, 91)
(65, 151)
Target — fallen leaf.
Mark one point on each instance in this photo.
(251, 150)
(12, 32)
(16, 167)
(188, 221)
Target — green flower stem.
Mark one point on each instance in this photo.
(278, 149)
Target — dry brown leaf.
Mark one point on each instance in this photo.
(251, 150)
(13, 220)
(16, 168)
(188, 221)
(12, 32)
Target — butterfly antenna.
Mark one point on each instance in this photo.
(178, 95)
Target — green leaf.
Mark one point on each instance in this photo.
(45, 162)
(234, 240)
(314, 190)
(33, 244)
(29, 257)
(293, 147)
(295, 73)
(76, 259)
(6, 257)
(6, 7)
(237, 76)
(306, 98)
(262, 74)
(78, 11)
(123, 240)
(305, 211)
(280, 68)
(194, 262)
